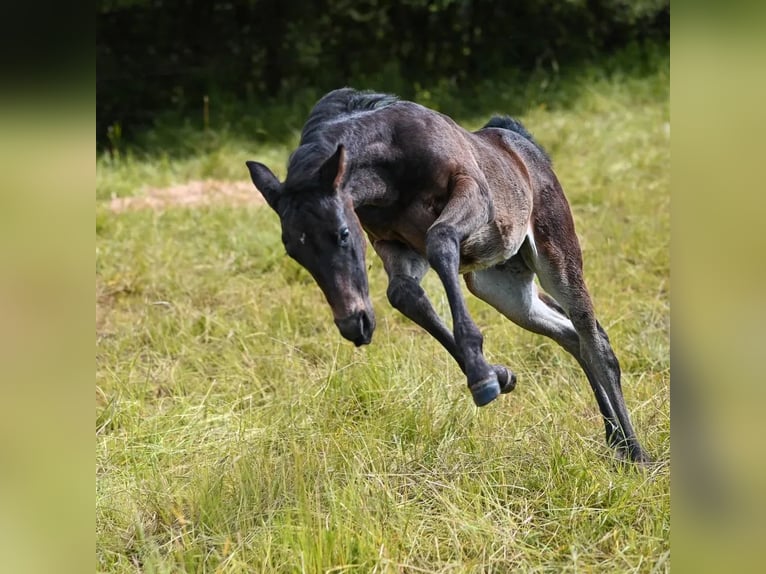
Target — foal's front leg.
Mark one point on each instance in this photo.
(405, 269)
(466, 211)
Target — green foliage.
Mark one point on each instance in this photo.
(158, 56)
(237, 432)
(177, 143)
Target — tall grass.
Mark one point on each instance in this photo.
(237, 432)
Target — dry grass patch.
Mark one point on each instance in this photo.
(190, 194)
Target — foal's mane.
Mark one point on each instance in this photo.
(316, 145)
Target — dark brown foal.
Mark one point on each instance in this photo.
(430, 194)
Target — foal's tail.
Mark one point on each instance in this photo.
(514, 125)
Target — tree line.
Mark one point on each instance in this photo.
(155, 55)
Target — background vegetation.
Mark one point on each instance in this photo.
(156, 56)
(237, 432)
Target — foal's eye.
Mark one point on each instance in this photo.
(343, 236)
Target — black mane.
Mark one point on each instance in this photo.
(315, 146)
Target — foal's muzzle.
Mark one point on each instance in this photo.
(357, 327)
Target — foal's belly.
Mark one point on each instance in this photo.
(490, 245)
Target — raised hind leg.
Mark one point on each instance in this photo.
(405, 270)
(510, 288)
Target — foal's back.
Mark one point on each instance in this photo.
(411, 157)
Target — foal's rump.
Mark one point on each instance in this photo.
(550, 247)
(513, 167)
(513, 125)
(527, 193)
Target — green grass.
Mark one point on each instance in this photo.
(237, 432)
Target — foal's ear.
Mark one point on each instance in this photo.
(265, 182)
(332, 171)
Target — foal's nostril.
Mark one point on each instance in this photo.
(365, 320)
(366, 327)
(357, 327)
(362, 326)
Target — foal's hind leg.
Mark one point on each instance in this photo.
(405, 269)
(510, 288)
(558, 264)
(599, 362)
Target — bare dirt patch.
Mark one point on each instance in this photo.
(190, 194)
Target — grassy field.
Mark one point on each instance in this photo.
(237, 432)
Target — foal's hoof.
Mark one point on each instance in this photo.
(485, 391)
(636, 456)
(506, 378)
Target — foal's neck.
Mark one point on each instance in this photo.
(366, 186)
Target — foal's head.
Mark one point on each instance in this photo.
(321, 232)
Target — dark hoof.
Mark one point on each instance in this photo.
(506, 378)
(635, 456)
(642, 460)
(485, 391)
